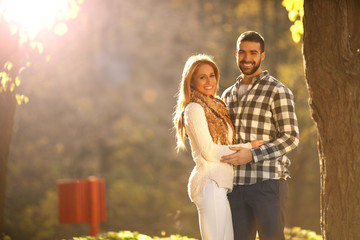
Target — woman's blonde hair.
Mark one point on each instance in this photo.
(183, 96)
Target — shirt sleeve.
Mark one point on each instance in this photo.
(283, 109)
(225, 95)
(198, 131)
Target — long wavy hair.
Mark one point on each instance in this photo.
(183, 96)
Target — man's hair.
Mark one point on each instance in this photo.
(251, 36)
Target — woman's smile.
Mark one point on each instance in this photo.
(204, 79)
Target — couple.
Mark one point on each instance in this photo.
(239, 182)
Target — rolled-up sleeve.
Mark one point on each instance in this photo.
(283, 110)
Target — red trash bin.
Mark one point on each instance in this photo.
(82, 201)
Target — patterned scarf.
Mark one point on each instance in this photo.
(217, 116)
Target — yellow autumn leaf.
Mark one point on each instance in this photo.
(301, 12)
(73, 10)
(13, 29)
(288, 4)
(8, 66)
(12, 87)
(19, 98)
(40, 47)
(33, 45)
(17, 81)
(295, 36)
(295, 10)
(22, 69)
(299, 26)
(292, 16)
(298, 4)
(60, 29)
(23, 38)
(4, 80)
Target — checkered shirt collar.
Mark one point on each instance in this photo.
(256, 78)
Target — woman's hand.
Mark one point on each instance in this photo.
(256, 143)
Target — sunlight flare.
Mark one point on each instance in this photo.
(30, 17)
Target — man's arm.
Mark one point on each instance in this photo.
(283, 109)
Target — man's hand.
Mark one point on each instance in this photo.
(242, 156)
(256, 143)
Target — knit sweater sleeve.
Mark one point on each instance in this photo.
(197, 129)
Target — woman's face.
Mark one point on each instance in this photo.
(204, 79)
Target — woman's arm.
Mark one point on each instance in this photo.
(197, 129)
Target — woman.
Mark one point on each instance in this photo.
(204, 119)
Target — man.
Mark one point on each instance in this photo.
(261, 108)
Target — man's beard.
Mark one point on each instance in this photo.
(253, 70)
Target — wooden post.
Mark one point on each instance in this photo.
(94, 206)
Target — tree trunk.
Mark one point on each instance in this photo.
(332, 68)
(9, 51)
(7, 113)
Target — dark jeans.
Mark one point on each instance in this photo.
(259, 207)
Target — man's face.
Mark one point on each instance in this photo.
(249, 58)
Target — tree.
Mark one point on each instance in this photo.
(332, 67)
(19, 30)
(7, 106)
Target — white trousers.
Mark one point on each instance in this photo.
(214, 213)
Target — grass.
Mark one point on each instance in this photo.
(295, 233)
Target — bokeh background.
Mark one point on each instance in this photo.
(102, 106)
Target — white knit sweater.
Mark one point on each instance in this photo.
(206, 153)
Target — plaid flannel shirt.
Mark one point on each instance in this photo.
(266, 111)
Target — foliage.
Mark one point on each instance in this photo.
(5, 237)
(296, 14)
(128, 235)
(24, 27)
(294, 233)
